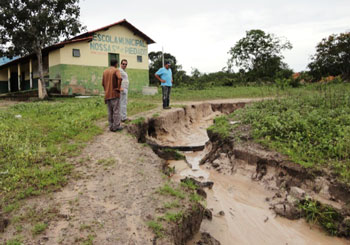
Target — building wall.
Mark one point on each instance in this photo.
(55, 57)
(79, 79)
(83, 75)
(3, 81)
(3, 74)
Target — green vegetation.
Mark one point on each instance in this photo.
(173, 204)
(138, 121)
(106, 162)
(89, 240)
(189, 184)
(15, 241)
(313, 129)
(34, 146)
(324, 215)
(167, 189)
(175, 154)
(37, 137)
(221, 127)
(171, 217)
(155, 115)
(39, 228)
(156, 227)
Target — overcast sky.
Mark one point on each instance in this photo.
(200, 33)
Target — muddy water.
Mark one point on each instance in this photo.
(247, 218)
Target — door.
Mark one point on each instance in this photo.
(112, 56)
(14, 81)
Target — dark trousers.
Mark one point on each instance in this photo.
(113, 113)
(166, 95)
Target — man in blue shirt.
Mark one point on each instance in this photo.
(165, 76)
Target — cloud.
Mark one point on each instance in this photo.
(200, 33)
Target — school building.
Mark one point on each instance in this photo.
(75, 66)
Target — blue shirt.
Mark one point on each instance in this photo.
(166, 75)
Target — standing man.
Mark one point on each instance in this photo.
(124, 93)
(111, 83)
(165, 76)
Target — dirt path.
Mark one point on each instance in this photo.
(109, 200)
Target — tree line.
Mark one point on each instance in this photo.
(28, 26)
(259, 60)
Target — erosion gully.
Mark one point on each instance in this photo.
(240, 211)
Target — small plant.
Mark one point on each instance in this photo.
(155, 115)
(39, 228)
(138, 121)
(106, 162)
(174, 204)
(89, 240)
(189, 184)
(221, 127)
(85, 227)
(175, 154)
(156, 227)
(19, 228)
(171, 217)
(15, 241)
(283, 83)
(324, 215)
(168, 190)
(9, 208)
(194, 197)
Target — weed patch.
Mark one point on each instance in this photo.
(324, 215)
(156, 227)
(39, 228)
(168, 190)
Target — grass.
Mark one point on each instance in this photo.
(39, 228)
(185, 94)
(138, 121)
(35, 146)
(175, 154)
(189, 184)
(167, 189)
(106, 162)
(171, 217)
(15, 241)
(170, 205)
(221, 127)
(156, 227)
(320, 214)
(312, 129)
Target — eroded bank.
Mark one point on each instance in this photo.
(251, 184)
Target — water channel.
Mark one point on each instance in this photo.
(246, 217)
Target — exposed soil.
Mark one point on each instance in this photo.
(251, 184)
(113, 191)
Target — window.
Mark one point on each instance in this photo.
(139, 58)
(76, 52)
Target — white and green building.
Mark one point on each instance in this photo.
(75, 66)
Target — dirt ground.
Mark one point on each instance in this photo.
(107, 202)
(6, 103)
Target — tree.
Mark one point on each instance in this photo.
(28, 26)
(156, 63)
(332, 57)
(259, 54)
